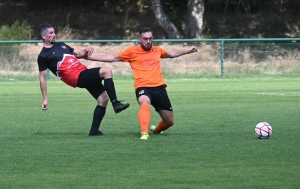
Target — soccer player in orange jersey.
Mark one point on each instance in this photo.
(149, 85)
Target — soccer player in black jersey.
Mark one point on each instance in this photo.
(63, 62)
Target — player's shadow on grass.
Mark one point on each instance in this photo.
(107, 134)
(137, 134)
(49, 133)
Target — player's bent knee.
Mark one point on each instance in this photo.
(105, 72)
(170, 123)
(103, 99)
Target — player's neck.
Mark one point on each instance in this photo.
(47, 45)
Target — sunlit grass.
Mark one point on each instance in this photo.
(212, 144)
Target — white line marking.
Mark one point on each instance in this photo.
(279, 94)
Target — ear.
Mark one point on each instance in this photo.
(43, 36)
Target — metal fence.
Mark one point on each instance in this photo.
(217, 57)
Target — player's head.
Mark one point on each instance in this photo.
(47, 33)
(145, 38)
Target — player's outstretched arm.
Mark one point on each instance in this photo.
(43, 86)
(176, 53)
(83, 53)
(104, 58)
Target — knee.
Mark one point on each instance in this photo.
(103, 100)
(105, 72)
(169, 122)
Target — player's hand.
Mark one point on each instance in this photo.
(193, 49)
(45, 105)
(89, 51)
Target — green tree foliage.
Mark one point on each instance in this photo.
(17, 31)
(175, 8)
(252, 6)
(120, 18)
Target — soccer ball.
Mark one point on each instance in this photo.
(263, 130)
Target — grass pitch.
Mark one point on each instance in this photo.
(212, 144)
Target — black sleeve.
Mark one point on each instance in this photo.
(70, 48)
(42, 63)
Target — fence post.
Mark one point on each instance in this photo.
(136, 42)
(222, 59)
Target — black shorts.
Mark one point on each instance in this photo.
(91, 80)
(158, 97)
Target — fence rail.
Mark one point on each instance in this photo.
(215, 56)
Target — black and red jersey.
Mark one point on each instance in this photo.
(59, 59)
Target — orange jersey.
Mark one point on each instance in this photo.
(145, 65)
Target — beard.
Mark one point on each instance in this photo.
(53, 41)
(147, 47)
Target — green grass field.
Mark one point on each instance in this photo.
(212, 144)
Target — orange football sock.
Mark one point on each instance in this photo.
(144, 117)
(161, 127)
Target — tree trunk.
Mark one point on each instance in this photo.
(165, 23)
(194, 21)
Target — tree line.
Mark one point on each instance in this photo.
(176, 18)
(180, 6)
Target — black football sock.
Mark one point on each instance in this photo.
(99, 113)
(110, 89)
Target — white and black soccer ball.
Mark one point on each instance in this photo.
(263, 130)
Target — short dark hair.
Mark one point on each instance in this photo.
(44, 27)
(144, 30)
